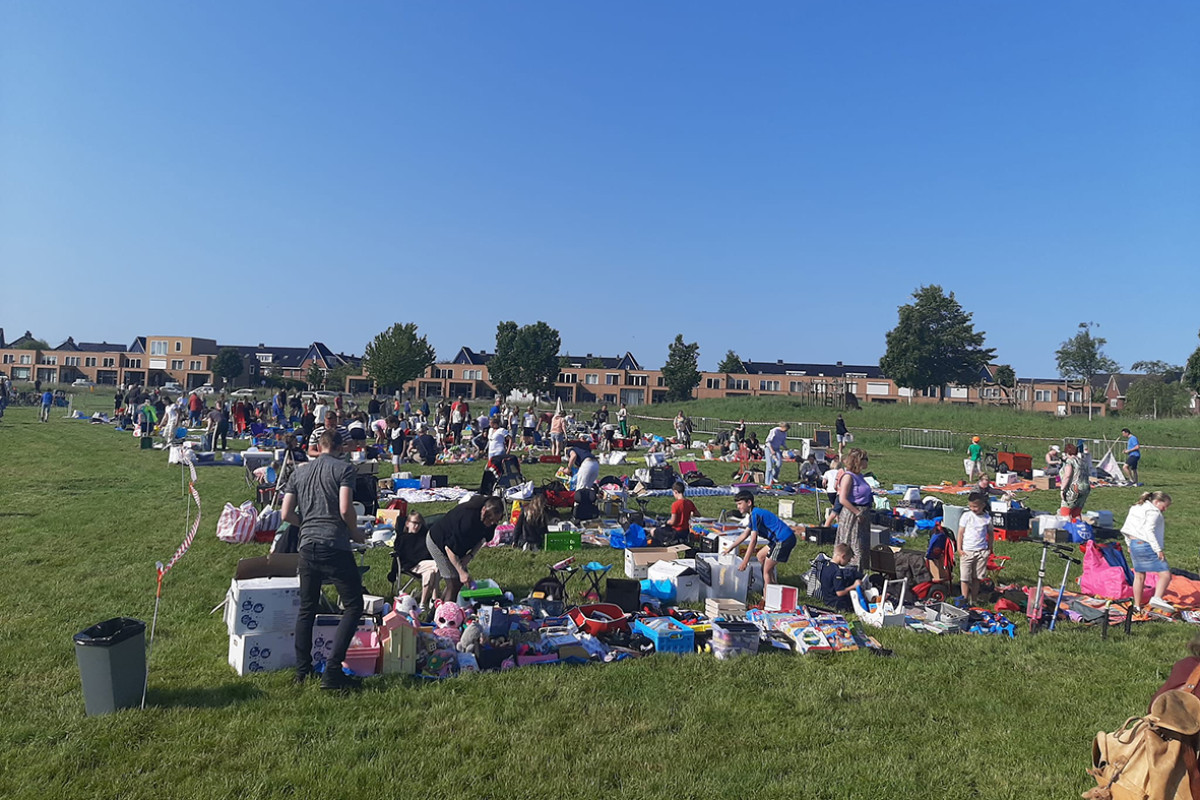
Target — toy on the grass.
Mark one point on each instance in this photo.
(471, 639)
(448, 620)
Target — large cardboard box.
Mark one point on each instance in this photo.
(264, 596)
(681, 575)
(1045, 482)
(263, 652)
(720, 577)
(639, 559)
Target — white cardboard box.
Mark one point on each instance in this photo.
(263, 652)
(262, 605)
(681, 575)
(639, 559)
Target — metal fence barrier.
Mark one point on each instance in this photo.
(927, 439)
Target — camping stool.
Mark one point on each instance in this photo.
(642, 502)
(593, 573)
(563, 575)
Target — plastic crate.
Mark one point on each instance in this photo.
(732, 639)
(668, 634)
(947, 614)
(563, 540)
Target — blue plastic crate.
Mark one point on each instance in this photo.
(669, 635)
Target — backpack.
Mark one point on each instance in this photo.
(1154, 756)
(812, 578)
(698, 479)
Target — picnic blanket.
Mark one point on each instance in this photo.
(430, 495)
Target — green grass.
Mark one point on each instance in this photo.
(84, 515)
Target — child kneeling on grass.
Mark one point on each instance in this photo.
(974, 545)
(839, 578)
(779, 536)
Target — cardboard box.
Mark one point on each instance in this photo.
(721, 578)
(262, 652)
(264, 596)
(716, 607)
(639, 559)
(324, 629)
(786, 506)
(681, 575)
(389, 516)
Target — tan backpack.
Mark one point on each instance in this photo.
(1151, 757)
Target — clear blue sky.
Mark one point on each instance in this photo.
(773, 177)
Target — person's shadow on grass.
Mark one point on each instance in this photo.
(204, 696)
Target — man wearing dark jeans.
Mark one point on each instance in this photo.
(319, 498)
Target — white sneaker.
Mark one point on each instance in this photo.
(1161, 605)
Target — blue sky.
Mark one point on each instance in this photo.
(775, 178)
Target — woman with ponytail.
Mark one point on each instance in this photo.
(1143, 531)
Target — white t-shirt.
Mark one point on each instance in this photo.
(831, 480)
(530, 420)
(319, 413)
(974, 528)
(621, 413)
(497, 437)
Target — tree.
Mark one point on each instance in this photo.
(595, 363)
(315, 377)
(397, 356)
(934, 344)
(731, 363)
(526, 358)
(1155, 367)
(680, 373)
(1082, 357)
(228, 364)
(1191, 373)
(1153, 396)
(337, 376)
(1006, 379)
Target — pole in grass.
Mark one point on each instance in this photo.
(158, 567)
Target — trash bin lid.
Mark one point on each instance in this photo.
(110, 632)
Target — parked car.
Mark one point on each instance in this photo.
(205, 389)
(243, 393)
(172, 386)
(82, 382)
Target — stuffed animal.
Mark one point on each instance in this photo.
(407, 604)
(471, 639)
(448, 620)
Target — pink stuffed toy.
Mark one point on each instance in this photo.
(448, 619)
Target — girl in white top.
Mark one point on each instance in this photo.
(1143, 531)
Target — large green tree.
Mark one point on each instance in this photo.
(396, 356)
(1156, 397)
(1082, 357)
(228, 364)
(315, 377)
(1191, 372)
(526, 358)
(731, 363)
(934, 343)
(681, 374)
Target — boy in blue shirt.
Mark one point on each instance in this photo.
(47, 401)
(839, 578)
(780, 538)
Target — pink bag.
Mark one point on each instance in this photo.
(236, 525)
(1101, 580)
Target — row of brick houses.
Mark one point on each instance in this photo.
(187, 360)
(621, 379)
(158, 360)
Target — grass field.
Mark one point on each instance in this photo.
(84, 515)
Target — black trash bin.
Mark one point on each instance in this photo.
(112, 664)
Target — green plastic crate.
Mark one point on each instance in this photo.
(564, 540)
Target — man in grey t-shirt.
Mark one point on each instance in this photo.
(319, 498)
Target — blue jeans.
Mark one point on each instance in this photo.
(772, 467)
